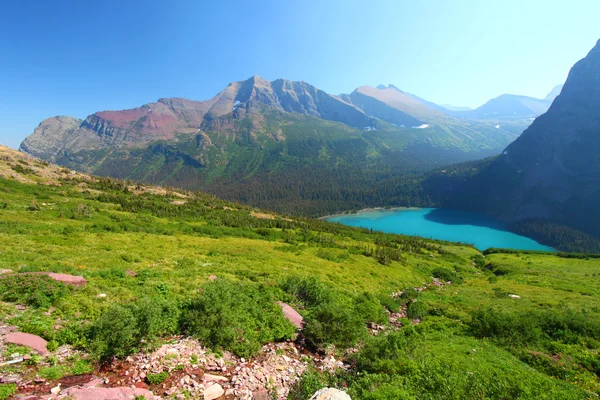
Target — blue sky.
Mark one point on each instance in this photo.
(78, 57)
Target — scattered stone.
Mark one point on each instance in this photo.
(514, 296)
(260, 394)
(330, 394)
(213, 392)
(212, 277)
(5, 271)
(102, 295)
(214, 378)
(131, 273)
(28, 340)
(292, 315)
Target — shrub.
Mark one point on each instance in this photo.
(333, 323)
(368, 307)
(391, 304)
(447, 275)
(509, 328)
(7, 390)
(138, 324)
(478, 260)
(36, 290)
(409, 294)
(416, 310)
(499, 270)
(310, 381)
(309, 291)
(115, 333)
(237, 317)
(157, 379)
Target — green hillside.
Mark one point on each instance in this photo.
(149, 253)
(296, 163)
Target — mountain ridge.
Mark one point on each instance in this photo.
(552, 171)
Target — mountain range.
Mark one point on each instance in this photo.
(257, 138)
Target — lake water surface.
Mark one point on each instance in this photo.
(436, 223)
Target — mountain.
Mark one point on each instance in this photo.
(455, 108)
(507, 107)
(552, 171)
(554, 93)
(277, 144)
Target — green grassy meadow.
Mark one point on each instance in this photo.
(132, 242)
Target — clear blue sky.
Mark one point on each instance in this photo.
(77, 57)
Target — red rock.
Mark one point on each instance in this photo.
(74, 280)
(212, 277)
(26, 339)
(140, 385)
(131, 273)
(292, 315)
(69, 279)
(97, 393)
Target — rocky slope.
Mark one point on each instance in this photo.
(552, 170)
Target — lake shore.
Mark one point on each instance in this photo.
(368, 210)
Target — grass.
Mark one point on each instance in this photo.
(338, 277)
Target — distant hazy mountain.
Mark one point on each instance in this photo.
(455, 108)
(507, 106)
(554, 93)
(552, 171)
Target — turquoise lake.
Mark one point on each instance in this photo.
(456, 226)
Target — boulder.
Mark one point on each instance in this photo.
(34, 342)
(213, 392)
(214, 378)
(68, 279)
(292, 315)
(330, 394)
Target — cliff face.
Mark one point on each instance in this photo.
(553, 169)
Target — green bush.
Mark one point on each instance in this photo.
(35, 290)
(309, 291)
(409, 294)
(7, 390)
(447, 275)
(310, 381)
(138, 324)
(157, 379)
(499, 270)
(369, 308)
(391, 304)
(416, 310)
(333, 323)
(237, 317)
